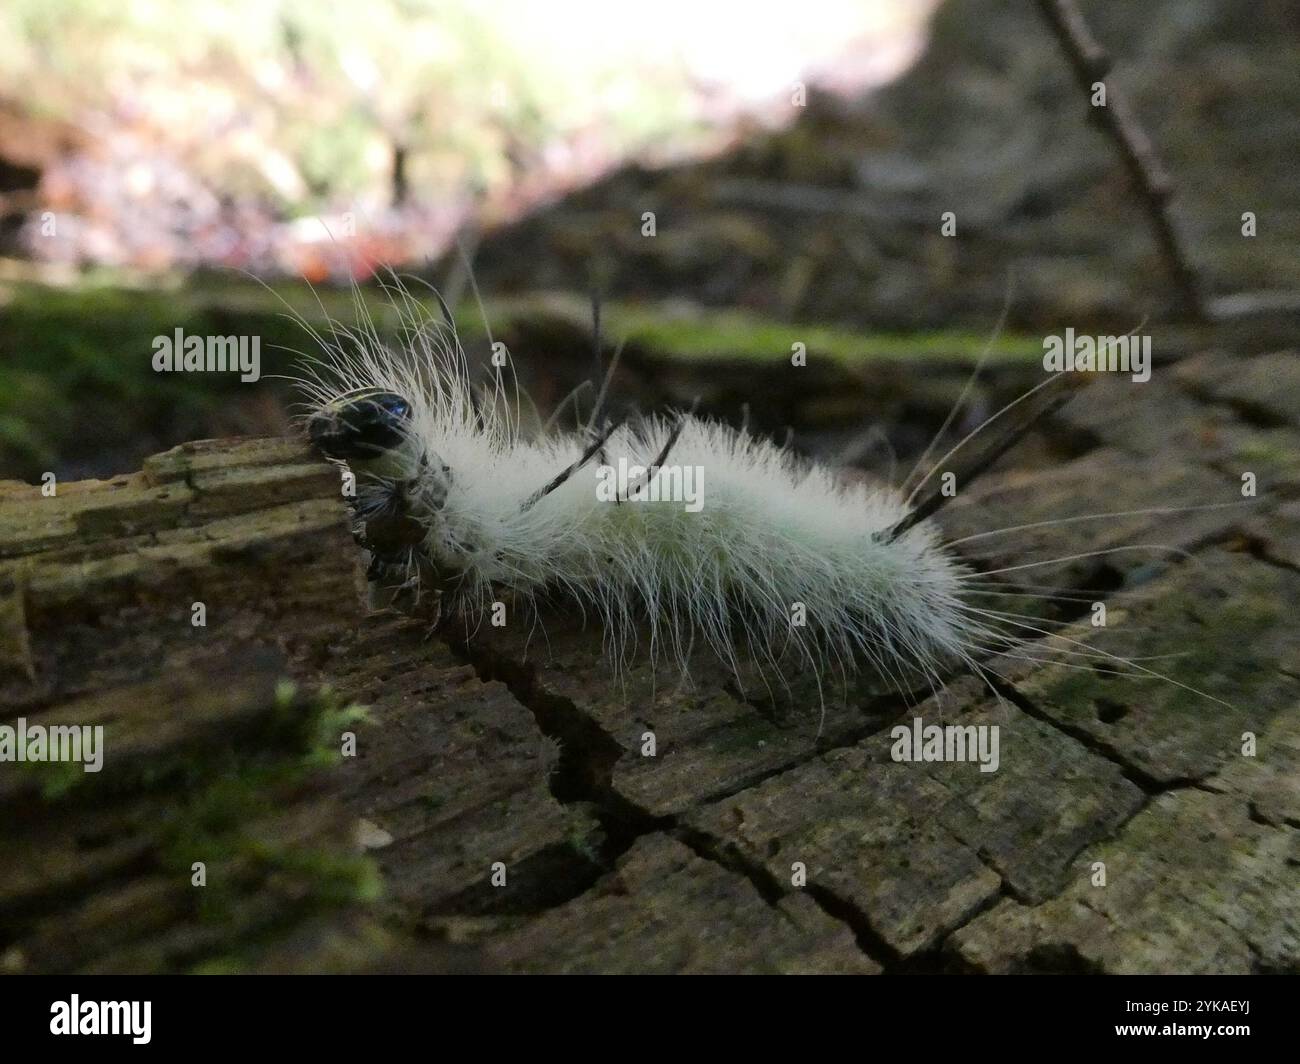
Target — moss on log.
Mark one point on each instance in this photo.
(494, 806)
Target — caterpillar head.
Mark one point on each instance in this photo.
(398, 491)
(367, 428)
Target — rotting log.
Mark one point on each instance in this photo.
(761, 836)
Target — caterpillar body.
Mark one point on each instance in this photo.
(776, 561)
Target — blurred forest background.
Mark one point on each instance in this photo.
(157, 157)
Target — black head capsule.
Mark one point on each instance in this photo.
(362, 426)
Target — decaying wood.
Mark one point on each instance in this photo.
(520, 751)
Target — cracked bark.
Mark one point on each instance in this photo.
(498, 750)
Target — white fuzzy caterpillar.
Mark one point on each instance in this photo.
(782, 563)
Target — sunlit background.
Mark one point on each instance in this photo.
(159, 159)
(185, 132)
(850, 226)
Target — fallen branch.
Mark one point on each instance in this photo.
(1091, 64)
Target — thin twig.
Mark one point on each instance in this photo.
(1091, 64)
(931, 504)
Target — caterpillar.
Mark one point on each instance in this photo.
(684, 527)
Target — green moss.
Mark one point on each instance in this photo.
(77, 381)
(227, 964)
(1270, 454)
(730, 333)
(76, 373)
(218, 823)
(585, 835)
(55, 778)
(221, 805)
(1196, 634)
(298, 735)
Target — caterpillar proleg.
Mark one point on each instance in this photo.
(690, 529)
